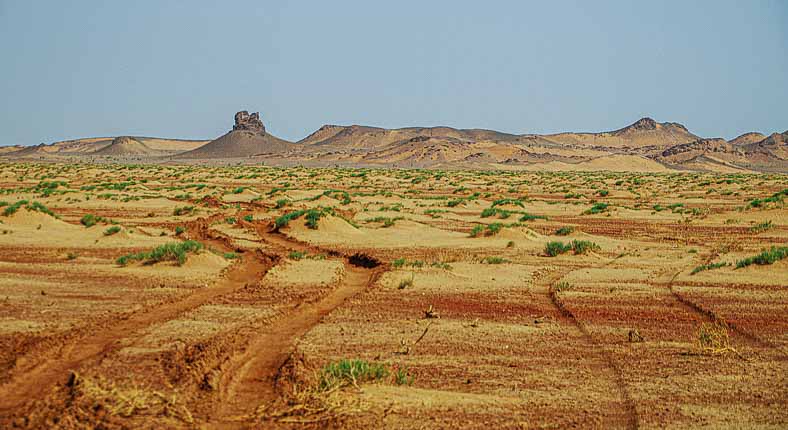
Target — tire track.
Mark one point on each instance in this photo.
(711, 316)
(249, 378)
(630, 409)
(33, 383)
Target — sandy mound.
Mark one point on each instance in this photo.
(306, 272)
(124, 145)
(36, 229)
(337, 232)
(245, 196)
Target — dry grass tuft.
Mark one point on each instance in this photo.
(713, 338)
(124, 401)
(307, 404)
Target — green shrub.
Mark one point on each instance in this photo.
(761, 227)
(769, 256)
(312, 217)
(555, 248)
(179, 230)
(89, 220)
(488, 212)
(249, 218)
(597, 208)
(282, 203)
(350, 372)
(584, 246)
(494, 260)
(169, 252)
(297, 255)
(183, 210)
(514, 202)
(494, 228)
(230, 255)
(709, 267)
(112, 230)
(530, 217)
(31, 206)
(564, 231)
(477, 230)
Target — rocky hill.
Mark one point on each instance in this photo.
(247, 138)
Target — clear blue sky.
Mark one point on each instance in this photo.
(183, 68)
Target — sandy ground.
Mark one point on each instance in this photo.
(441, 278)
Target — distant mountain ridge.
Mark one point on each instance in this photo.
(646, 144)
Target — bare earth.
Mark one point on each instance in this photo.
(442, 279)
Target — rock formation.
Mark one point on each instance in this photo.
(251, 122)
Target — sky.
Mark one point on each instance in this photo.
(181, 69)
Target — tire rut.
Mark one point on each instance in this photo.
(33, 383)
(249, 378)
(630, 409)
(711, 316)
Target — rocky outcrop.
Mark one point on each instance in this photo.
(249, 122)
(700, 146)
(247, 139)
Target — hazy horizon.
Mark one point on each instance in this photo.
(181, 70)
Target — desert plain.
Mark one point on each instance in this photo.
(196, 296)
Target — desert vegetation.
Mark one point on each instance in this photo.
(188, 296)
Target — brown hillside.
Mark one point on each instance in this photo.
(644, 134)
(747, 138)
(124, 145)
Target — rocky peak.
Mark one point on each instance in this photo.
(123, 140)
(251, 122)
(644, 124)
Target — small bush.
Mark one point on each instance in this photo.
(179, 230)
(597, 208)
(477, 230)
(297, 255)
(112, 230)
(584, 246)
(494, 228)
(350, 372)
(169, 252)
(530, 217)
(761, 227)
(553, 249)
(89, 220)
(564, 231)
(709, 267)
(494, 260)
(184, 210)
(764, 258)
(230, 255)
(31, 206)
(312, 217)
